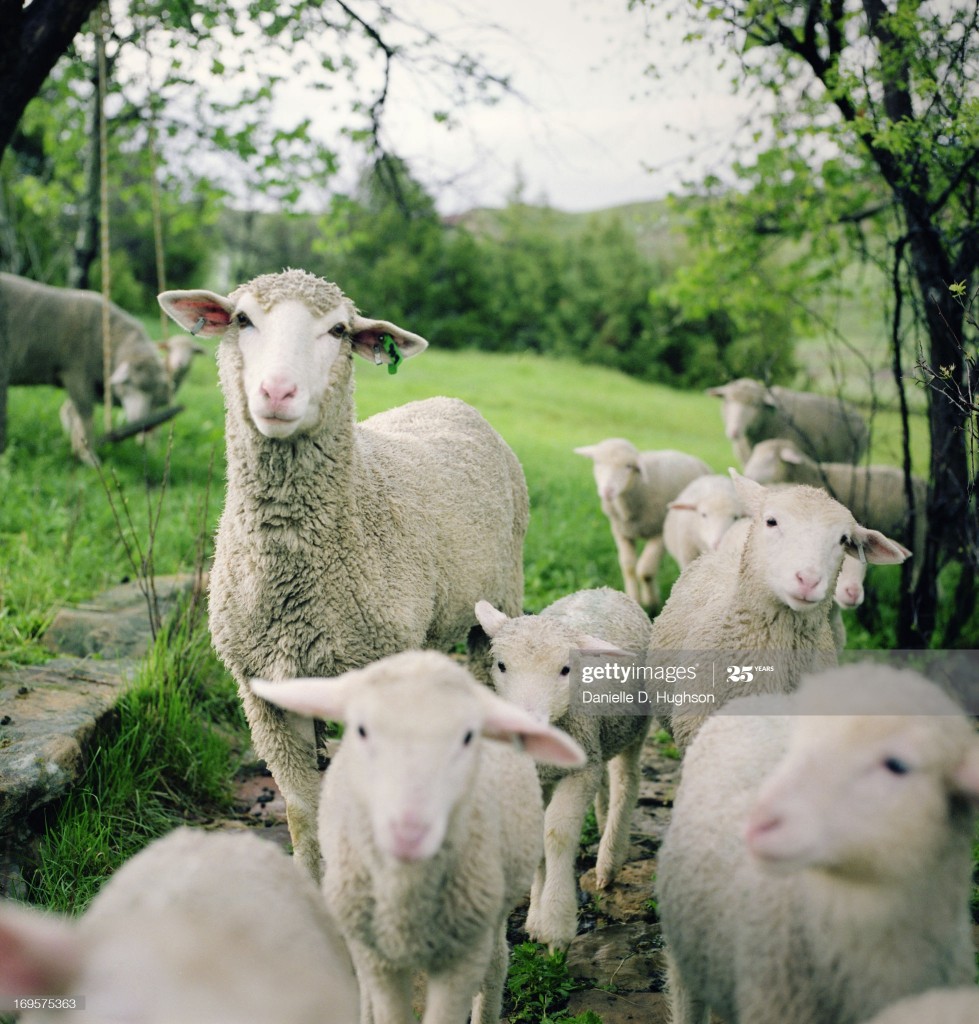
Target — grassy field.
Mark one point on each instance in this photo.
(59, 542)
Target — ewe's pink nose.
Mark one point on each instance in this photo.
(808, 581)
(277, 393)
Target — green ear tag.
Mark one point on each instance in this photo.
(393, 353)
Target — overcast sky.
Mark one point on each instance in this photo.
(594, 130)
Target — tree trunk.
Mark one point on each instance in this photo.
(86, 247)
(32, 38)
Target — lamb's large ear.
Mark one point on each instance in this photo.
(717, 392)
(965, 777)
(596, 645)
(790, 455)
(589, 451)
(314, 696)
(750, 493)
(200, 312)
(121, 374)
(490, 618)
(682, 506)
(372, 339)
(505, 721)
(873, 546)
(39, 953)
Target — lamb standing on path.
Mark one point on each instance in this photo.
(199, 928)
(341, 542)
(773, 596)
(818, 863)
(829, 429)
(635, 489)
(531, 669)
(431, 828)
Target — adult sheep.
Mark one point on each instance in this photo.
(200, 927)
(818, 864)
(55, 338)
(635, 489)
(876, 495)
(829, 429)
(341, 542)
(771, 597)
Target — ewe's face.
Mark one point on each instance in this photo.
(800, 546)
(738, 414)
(288, 354)
(841, 799)
(139, 383)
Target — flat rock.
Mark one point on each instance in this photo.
(615, 1008)
(626, 957)
(48, 716)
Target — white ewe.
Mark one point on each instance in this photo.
(431, 828)
(341, 542)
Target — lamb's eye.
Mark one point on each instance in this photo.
(338, 330)
(844, 540)
(242, 320)
(566, 671)
(896, 766)
(501, 666)
(468, 738)
(361, 732)
(771, 521)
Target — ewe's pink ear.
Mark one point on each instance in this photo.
(505, 721)
(316, 697)
(371, 339)
(201, 312)
(490, 618)
(39, 954)
(877, 548)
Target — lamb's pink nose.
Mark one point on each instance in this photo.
(808, 581)
(277, 393)
(852, 594)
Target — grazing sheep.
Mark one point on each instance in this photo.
(699, 516)
(772, 598)
(55, 337)
(939, 1006)
(531, 670)
(874, 494)
(829, 429)
(635, 489)
(431, 829)
(818, 862)
(341, 542)
(216, 928)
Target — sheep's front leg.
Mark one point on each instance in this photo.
(453, 992)
(385, 995)
(488, 1003)
(78, 427)
(684, 1009)
(555, 918)
(624, 772)
(626, 548)
(646, 570)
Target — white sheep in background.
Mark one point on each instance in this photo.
(531, 669)
(829, 429)
(208, 927)
(771, 597)
(635, 489)
(818, 862)
(874, 494)
(55, 338)
(699, 516)
(940, 1006)
(431, 829)
(341, 542)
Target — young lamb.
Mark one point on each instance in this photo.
(772, 597)
(699, 516)
(531, 670)
(874, 494)
(431, 829)
(939, 1006)
(635, 489)
(221, 928)
(55, 337)
(818, 862)
(829, 429)
(341, 542)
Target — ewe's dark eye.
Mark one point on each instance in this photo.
(501, 666)
(771, 521)
(896, 766)
(361, 732)
(468, 738)
(338, 330)
(844, 540)
(241, 319)
(566, 670)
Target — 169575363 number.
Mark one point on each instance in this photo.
(49, 1003)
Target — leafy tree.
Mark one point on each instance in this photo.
(872, 121)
